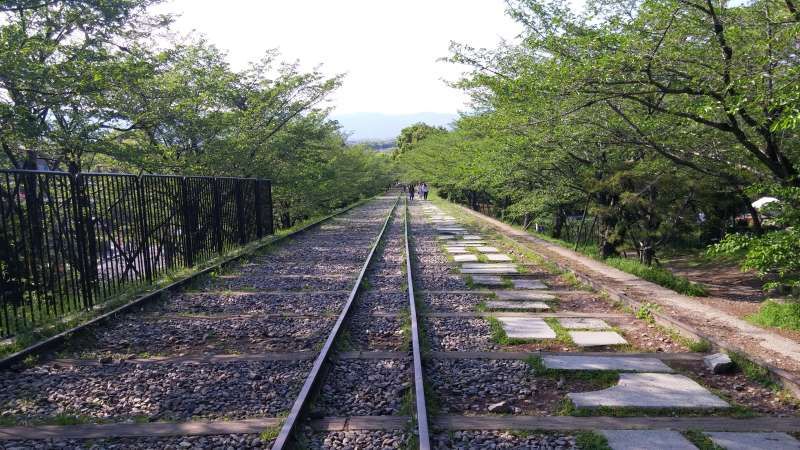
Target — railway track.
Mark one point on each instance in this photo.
(231, 354)
(393, 326)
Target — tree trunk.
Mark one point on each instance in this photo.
(558, 223)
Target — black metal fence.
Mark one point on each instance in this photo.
(69, 242)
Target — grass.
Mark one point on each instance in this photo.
(270, 433)
(499, 335)
(701, 441)
(659, 276)
(779, 315)
(603, 378)
(754, 371)
(590, 440)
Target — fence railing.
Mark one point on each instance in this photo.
(69, 242)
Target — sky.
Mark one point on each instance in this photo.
(387, 48)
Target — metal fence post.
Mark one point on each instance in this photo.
(217, 215)
(82, 237)
(186, 228)
(145, 242)
(240, 226)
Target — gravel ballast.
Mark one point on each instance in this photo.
(118, 392)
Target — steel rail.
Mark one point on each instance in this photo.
(284, 439)
(419, 385)
(55, 340)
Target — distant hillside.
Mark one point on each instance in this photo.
(379, 127)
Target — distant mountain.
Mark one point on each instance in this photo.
(377, 126)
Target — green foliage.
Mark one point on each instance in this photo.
(629, 126)
(646, 310)
(752, 370)
(662, 277)
(780, 315)
(412, 135)
(701, 441)
(701, 346)
(590, 440)
(773, 252)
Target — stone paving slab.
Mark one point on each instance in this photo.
(584, 324)
(497, 257)
(523, 283)
(754, 441)
(471, 243)
(621, 363)
(454, 250)
(526, 328)
(489, 270)
(489, 266)
(531, 306)
(445, 237)
(465, 258)
(488, 280)
(451, 230)
(647, 440)
(488, 249)
(596, 338)
(570, 423)
(650, 390)
(523, 295)
(472, 237)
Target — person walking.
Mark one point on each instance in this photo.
(411, 189)
(424, 189)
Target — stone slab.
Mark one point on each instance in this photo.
(487, 249)
(647, 440)
(445, 237)
(488, 280)
(650, 390)
(621, 363)
(526, 328)
(580, 323)
(523, 283)
(596, 338)
(523, 295)
(530, 306)
(465, 258)
(456, 250)
(754, 441)
(472, 237)
(471, 243)
(489, 270)
(489, 266)
(498, 257)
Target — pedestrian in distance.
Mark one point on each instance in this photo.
(411, 189)
(424, 189)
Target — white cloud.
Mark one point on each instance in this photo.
(389, 49)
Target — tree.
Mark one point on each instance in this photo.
(413, 134)
(62, 66)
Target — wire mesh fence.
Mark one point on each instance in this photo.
(69, 242)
